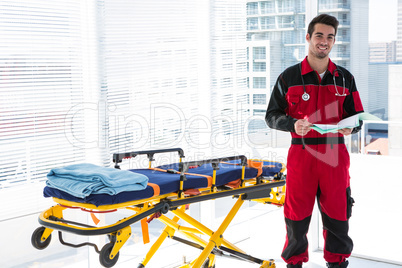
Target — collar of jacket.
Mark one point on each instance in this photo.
(306, 68)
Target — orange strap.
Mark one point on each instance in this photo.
(257, 165)
(234, 184)
(250, 163)
(156, 188)
(192, 192)
(209, 178)
(95, 219)
(145, 230)
(158, 169)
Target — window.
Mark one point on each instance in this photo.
(286, 6)
(340, 50)
(344, 19)
(259, 112)
(300, 21)
(259, 82)
(260, 99)
(259, 67)
(286, 22)
(71, 96)
(343, 35)
(259, 53)
(267, 7)
(154, 69)
(43, 75)
(330, 4)
(267, 23)
(252, 8)
(252, 24)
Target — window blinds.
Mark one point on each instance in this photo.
(150, 54)
(175, 71)
(83, 79)
(228, 76)
(47, 69)
(41, 79)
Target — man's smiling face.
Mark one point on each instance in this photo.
(321, 41)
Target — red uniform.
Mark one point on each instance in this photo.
(317, 165)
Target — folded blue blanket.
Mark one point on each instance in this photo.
(81, 180)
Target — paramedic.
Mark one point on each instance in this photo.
(316, 91)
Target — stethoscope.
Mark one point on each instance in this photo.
(306, 96)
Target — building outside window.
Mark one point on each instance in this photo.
(259, 53)
(252, 8)
(267, 7)
(259, 66)
(259, 99)
(259, 82)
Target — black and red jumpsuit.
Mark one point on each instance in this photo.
(317, 165)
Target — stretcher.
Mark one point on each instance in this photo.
(171, 187)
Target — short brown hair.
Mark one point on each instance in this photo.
(324, 19)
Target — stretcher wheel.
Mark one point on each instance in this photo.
(165, 208)
(36, 238)
(104, 255)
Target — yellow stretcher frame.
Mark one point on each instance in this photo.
(265, 190)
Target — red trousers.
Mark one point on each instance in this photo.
(318, 171)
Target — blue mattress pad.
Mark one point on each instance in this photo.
(170, 182)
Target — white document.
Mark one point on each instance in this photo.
(350, 122)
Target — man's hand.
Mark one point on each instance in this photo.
(345, 131)
(302, 126)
